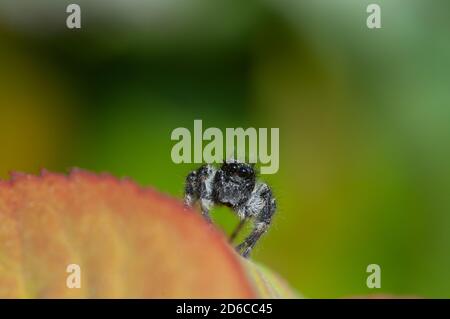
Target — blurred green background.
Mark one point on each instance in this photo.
(364, 118)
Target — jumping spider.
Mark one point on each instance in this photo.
(234, 185)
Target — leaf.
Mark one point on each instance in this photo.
(267, 283)
(129, 242)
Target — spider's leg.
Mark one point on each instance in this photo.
(247, 245)
(263, 217)
(237, 230)
(191, 191)
(199, 187)
(206, 178)
(206, 205)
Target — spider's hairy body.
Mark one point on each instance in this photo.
(234, 185)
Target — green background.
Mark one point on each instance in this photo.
(364, 118)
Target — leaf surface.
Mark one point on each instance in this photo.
(129, 242)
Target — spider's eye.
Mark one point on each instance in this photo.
(245, 172)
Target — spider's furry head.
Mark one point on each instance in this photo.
(235, 182)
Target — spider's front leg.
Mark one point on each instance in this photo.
(191, 192)
(206, 205)
(199, 187)
(247, 245)
(261, 206)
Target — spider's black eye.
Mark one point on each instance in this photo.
(245, 172)
(232, 168)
